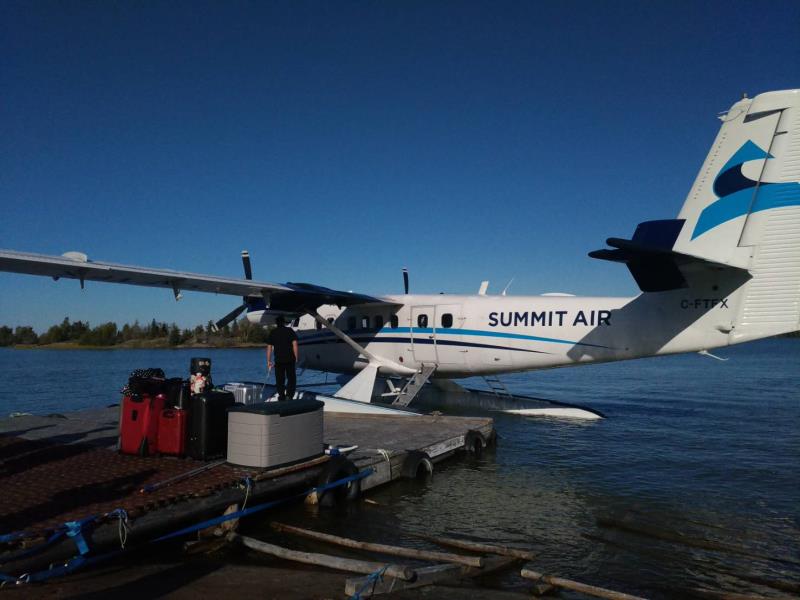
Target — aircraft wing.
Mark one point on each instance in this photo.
(74, 265)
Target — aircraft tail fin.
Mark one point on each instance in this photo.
(742, 213)
(744, 210)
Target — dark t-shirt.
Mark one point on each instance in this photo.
(281, 339)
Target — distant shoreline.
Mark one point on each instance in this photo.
(136, 345)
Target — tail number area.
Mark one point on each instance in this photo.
(704, 303)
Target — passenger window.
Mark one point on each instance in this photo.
(378, 321)
(394, 321)
(447, 320)
(351, 323)
(364, 322)
(422, 321)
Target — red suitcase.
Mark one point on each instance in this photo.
(138, 426)
(172, 431)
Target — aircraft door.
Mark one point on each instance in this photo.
(447, 326)
(423, 344)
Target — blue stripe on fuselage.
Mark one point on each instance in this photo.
(475, 332)
(407, 340)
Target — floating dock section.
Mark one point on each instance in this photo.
(65, 468)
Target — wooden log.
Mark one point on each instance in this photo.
(491, 564)
(589, 590)
(325, 560)
(460, 559)
(479, 547)
(425, 576)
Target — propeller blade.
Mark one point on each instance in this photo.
(248, 271)
(230, 316)
(405, 279)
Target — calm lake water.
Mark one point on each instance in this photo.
(693, 480)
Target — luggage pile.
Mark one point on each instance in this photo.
(190, 417)
(174, 416)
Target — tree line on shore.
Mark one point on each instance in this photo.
(156, 333)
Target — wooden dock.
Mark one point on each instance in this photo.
(60, 468)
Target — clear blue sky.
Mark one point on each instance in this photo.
(341, 141)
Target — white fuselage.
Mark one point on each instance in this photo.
(481, 334)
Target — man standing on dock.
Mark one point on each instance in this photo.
(282, 347)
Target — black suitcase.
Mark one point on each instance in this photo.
(208, 424)
(177, 392)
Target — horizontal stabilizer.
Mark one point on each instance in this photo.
(650, 258)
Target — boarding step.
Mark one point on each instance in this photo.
(414, 385)
(497, 387)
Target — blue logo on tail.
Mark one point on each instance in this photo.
(735, 192)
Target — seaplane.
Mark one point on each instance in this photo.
(725, 271)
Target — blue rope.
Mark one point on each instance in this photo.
(74, 529)
(259, 507)
(372, 579)
(57, 535)
(12, 537)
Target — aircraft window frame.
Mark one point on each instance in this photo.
(351, 323)
(422, 320)
(447, 320)
(379, 321)
(364, 322)
(394, 321)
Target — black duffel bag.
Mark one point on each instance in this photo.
(145, 381)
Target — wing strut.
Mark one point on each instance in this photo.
(359, 390)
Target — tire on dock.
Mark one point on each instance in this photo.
(339, 467)
(475, 442)
(417, 465)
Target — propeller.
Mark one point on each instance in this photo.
(248, 274)
(248, 271)
(405, 279)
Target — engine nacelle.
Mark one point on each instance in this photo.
(267, 317)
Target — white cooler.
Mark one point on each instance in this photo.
(246, 392)
(274, 433)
